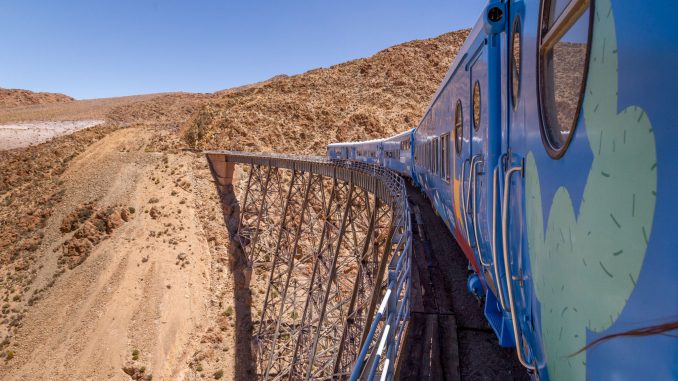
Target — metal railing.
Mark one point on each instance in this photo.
(380, 349)
(385, 328)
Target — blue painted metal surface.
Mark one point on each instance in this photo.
(475, 286)
(575, 247)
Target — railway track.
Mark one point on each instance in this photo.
(448, 337)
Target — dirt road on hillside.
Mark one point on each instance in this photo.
(148, 295)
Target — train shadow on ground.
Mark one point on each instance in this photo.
(448, 337)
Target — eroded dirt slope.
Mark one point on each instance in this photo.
(126, 275)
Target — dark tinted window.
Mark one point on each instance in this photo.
(436, 156)
(515, 62)
(476, 105)
(563, 59)
(458, 127)
(445, 156)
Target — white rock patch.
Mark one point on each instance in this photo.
(19, 135)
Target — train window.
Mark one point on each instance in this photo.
(445, 155)
(458, 127)
(515, 62)
(427, 156)
(424, 155)
(436, 156)
(430, 156)
(476, 105)
(405, 145)
(563, 55)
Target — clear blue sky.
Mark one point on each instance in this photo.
(102, 48)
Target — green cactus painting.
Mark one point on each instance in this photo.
(585, 267)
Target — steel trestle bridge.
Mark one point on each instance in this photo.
(333, 240)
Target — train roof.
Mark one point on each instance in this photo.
(351, 144)
(400, 135)
(373, 141)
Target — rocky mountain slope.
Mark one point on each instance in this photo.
(361, 99)
(19, 97)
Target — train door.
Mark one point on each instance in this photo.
(511, 235)
(480, 160)
(486, 89)
(487, 92)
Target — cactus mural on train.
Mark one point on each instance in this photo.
(600, 250)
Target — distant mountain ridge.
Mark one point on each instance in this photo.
(19, 97)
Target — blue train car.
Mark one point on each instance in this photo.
(394, 153)
(555, 108)
(341, 151)
(548, 152)
(398, 152)
(370, 151)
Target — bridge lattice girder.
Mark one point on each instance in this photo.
(324, 235)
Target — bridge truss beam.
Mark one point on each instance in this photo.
(324, 235)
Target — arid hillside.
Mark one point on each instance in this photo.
(19, 97)
(147, 108)
(361, 99)
(114, 260)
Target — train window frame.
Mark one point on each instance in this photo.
(426, 156)
(433, 155)
(438, 158)
(516, 70)
(478, 110)
(458, 127)
(570, 15)
(445, 157)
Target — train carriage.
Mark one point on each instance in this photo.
(371, 151)
(548, 151)
(398, 152)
